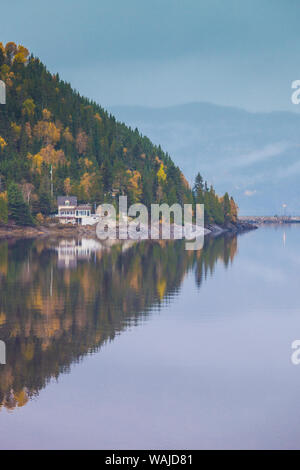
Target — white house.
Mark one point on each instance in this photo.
(67, 209)
(71, 213)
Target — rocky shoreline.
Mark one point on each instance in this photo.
(14, 231)
(239, 227)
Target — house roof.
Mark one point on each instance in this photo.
(84, 207)
(62, 200)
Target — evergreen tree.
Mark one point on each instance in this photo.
(226, 208)
(45, 203)
(3, 210)
(198, 186)
(18, 210)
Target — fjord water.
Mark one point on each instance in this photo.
(150, 346)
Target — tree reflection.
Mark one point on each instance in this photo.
(63, 299)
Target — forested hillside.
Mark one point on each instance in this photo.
(47, 130)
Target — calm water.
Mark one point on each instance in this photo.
(151, 346)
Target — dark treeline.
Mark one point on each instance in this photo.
(54, 142)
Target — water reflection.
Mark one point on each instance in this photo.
(63, 299)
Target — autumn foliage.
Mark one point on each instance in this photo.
(47, 130)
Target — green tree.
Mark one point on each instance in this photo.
(198, 186)
(18, 210)
(3, 211)
(45, 203)
(226, 208)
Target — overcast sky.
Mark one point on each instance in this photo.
(242, 53)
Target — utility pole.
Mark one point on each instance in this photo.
(51, 179)
(284, 210)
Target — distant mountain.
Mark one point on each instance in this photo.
(253, 156)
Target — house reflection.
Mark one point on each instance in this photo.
(69, 251)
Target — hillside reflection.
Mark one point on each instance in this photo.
(63, 299)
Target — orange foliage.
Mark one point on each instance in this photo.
(67, 135)
(86, 182)
(47, 131)
(2, 143)
(98, 117)
(6, 75)
(52, 156)
(88, 163)
(47, 155)
(134, 183)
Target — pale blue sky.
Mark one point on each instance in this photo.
(243, 53)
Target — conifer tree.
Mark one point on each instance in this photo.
(3, 210)
(18, 210)
(226, 207)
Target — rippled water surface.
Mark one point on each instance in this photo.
(150, 346)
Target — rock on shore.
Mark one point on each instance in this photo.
(14, 231)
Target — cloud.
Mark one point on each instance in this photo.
(250, 193)
(259, 155)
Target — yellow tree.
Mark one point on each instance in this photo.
(47, 155)
(47, 131)
(6, 75)
(21, 55)
(86, 183)
(51, 156)
(10, 50)
(2, 143)
(36, 162)
(161, 174)
(135, 184)
(28, 107)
